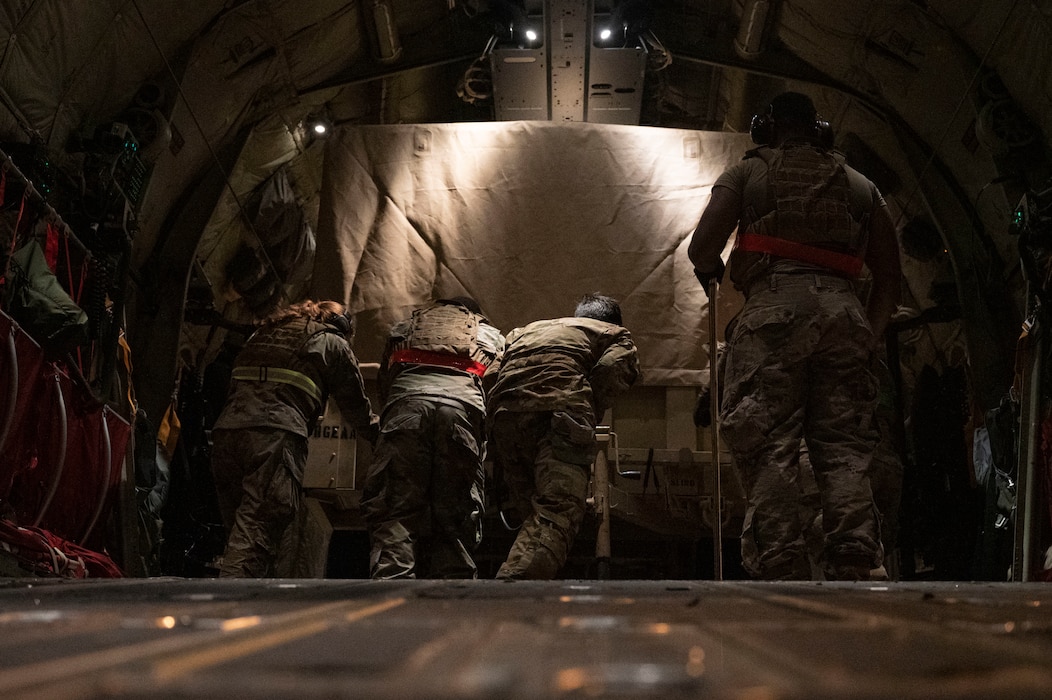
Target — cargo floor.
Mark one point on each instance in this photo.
(206, 638)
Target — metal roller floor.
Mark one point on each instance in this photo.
(201, 638)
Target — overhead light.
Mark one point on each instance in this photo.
(529, 34)
(612, 34)
(610, 30)
(621, 23)
(317, 125)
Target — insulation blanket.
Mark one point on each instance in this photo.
(525, 217)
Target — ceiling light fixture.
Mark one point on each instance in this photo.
(317, 125)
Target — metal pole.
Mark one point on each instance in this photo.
(1027, 460)
(714, 406)
(601, 479)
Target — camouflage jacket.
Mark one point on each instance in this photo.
(284, 375)
(573, 365)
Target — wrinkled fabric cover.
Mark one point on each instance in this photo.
(525, 217)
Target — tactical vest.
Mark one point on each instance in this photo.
(444, 335)
(272, 355)
(807, 216)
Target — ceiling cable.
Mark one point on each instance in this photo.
(960, 104)
(261, 250)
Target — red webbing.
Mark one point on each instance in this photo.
(838, 262)
(426, 357)
(46, 554)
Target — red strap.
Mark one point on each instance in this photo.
(838, 262)
(439, 359)
(51, 247)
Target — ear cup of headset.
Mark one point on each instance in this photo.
(823, 133)
(761, 129)
(343, 323)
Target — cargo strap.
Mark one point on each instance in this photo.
(844, 263)
(279, 375)
(438, 359)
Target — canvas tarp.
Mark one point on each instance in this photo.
(525, 217)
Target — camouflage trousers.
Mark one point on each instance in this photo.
(544, 459)
(798, 368)
(423, 495)
(811, 563)
(886, 472)
(258, 475)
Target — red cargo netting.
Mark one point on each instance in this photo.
(63, 452)
(43, 553)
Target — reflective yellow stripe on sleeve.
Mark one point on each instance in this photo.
(279, 375)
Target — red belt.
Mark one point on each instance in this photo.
(839, 262)
(438, 359)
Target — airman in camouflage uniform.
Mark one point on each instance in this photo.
(299, 357)
(423, 496)
(558, 378)
(885, 479)
(798, 363)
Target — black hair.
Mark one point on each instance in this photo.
(600, 307)
(793, 108)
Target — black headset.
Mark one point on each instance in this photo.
(344, 323)
(761, 130)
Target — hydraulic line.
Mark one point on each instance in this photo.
(64, 432)
(12, 390)
(104, 488)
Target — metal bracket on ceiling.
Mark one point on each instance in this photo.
(557, 65)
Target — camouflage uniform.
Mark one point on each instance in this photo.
(886, 473)
(423, 496)
(281, 381)
(558, 378)
(798, 363)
